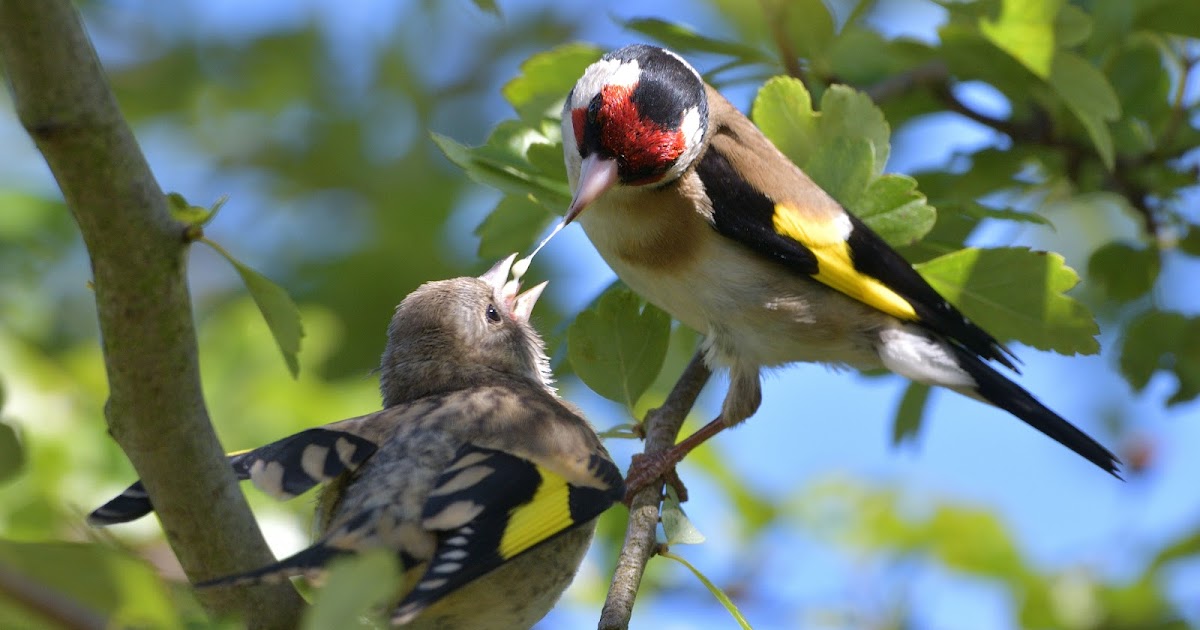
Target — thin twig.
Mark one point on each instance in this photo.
(155, 410)
(662, 429)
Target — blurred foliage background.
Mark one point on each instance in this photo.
(315, 118)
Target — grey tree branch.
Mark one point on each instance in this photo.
(155, 410)
(662, 428)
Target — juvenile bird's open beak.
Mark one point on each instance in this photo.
(525, 302)
(498, 274)
(596, 175)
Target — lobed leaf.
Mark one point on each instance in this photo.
(1016, 294)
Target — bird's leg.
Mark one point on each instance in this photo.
(742, 400)
(647, 469)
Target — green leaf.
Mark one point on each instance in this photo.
(895, 210)
(677, 527)
(843, 168)
(685, 41)
(712, 588)
(277, 308)
(783, 111)
(1025, 30)
(1015, 293)
(1123, 271)
(1072, 26)
(617, 346)
(907, 424)
(807, 25)
(1089, 96)
(513, 226)
(846, 112)
(125, 591)
(1159, 340)
(546, 78)
(185, 212)
(1181, 17)
(356, 591)
(502, 163)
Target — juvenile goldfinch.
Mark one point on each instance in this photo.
(695, 209)
(484, 483)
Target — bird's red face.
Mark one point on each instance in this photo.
(644, 149)
(637, 117)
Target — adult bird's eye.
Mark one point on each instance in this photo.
(492, 314)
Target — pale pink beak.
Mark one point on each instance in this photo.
(596, 175)
(525, 302)
(519, 306)
(498, 274)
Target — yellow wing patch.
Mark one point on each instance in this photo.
(835, 269)
(547, 514)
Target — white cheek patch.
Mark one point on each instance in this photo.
(692, 129)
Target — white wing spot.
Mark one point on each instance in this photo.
(345, 451)
(312, 461)
(429, 585)
(455, 554)
(453, 515)
(268, 476)
(469, 459)
(463, 480)
(447, 567)
(457, 541)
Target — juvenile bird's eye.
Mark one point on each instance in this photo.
(492, 314)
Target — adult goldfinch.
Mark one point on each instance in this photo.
(695, 209)
(484, 483)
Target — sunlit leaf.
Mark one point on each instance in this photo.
(546, 78)
(677, 527)
(278, 309)
(617, 347)
(1025, 30)
(1016, 294)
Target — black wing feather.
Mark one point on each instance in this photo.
(745, 214)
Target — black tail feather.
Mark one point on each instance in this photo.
(1007, 395)
(303, 562)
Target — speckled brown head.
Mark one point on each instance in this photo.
(451, 334)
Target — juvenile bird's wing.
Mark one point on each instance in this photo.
(762, 200)
(490, 506)
(283, 469)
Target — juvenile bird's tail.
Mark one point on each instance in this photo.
(993, 387)
(306, 562)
